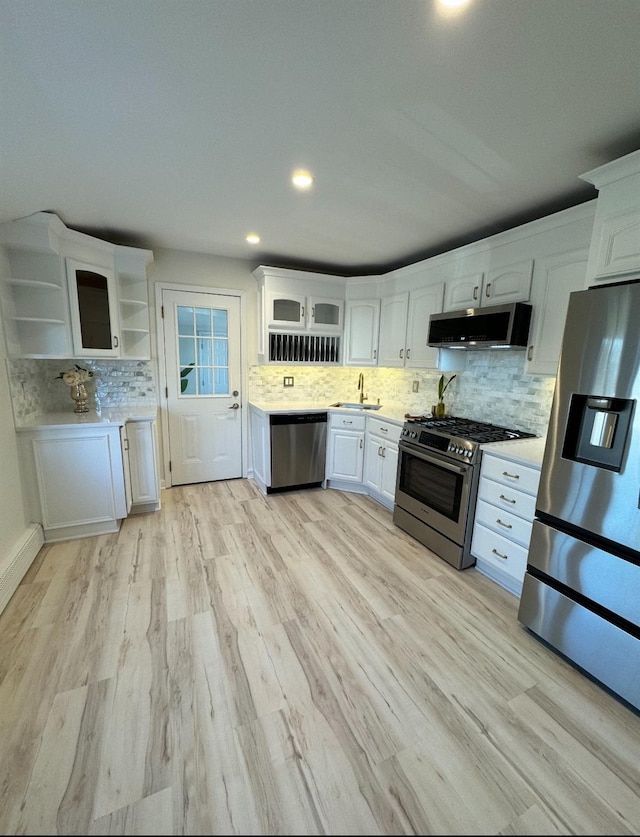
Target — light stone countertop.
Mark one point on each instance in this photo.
(68, 419)
(525, 451)
(394, 413)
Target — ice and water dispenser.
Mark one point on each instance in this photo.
(597, 430)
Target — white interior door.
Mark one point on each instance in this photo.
(202, 356)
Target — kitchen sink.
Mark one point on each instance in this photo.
(352, 405)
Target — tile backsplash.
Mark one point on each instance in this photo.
(35, 387)
(492, 388)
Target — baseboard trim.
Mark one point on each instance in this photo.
(18, 562)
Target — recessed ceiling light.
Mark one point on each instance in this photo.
(301, 179)
(252, 238)
(452, 6)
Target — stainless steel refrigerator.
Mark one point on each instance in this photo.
(581, 591)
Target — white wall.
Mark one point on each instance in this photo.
(185, 268)
(13, 517)
(202, 270)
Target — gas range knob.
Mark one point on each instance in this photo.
(414, 434)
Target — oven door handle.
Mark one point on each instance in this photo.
(440, 463)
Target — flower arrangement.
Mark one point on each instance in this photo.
(73, 377)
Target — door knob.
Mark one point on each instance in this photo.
(235, 393)
(235, 406)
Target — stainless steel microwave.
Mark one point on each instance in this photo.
(493, 327)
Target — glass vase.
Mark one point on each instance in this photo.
(79, 394)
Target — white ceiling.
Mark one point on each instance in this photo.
(177, 123)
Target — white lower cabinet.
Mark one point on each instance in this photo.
(76, 480)
(83, 480)
(503, 519)
(345, 450)
(142, 482)
(381, 459)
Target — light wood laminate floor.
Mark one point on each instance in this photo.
(292, 664)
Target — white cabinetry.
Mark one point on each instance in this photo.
(381, 459)
(503, 519)
(260, 447)
(63, 296)
(94, 309)
(404, 323)
(560, 268)
(555, 279)
(301, 316)
(133, 302)
(362, 332)
(499, 285)
(615, 246)
(393, 329)
(141, 466)
(76, 480)
(345, 450)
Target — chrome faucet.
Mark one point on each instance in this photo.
(363, 397)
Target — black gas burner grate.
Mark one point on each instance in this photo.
(474, 431)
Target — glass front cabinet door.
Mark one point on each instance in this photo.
(94, 310)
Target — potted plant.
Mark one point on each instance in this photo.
(443, 383)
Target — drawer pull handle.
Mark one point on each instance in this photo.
(502, 523)
(499, 554)
(384, 429)
(344, 421)
(506, 499)
(511, 476)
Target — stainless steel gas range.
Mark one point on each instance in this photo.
(437, 481)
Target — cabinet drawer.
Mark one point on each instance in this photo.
(347, 421)
(507, 498)
(504, 523)
(499, 552)
(510, 473)
(385, 429)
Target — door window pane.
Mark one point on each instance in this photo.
(203, 348)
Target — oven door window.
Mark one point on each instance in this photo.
(437, 488)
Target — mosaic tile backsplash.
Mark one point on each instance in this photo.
(35, 387)
(493, 388)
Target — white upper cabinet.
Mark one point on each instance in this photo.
(511, 283)
(404, 319)
(62, 294)
(422, 304)
(555, 278)
(94, 309)
(301, 316)
(393, 329)
(362, 329)
(560, 269)
(287, 310)
(615, 245)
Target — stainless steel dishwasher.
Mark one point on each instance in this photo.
(298, 449)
